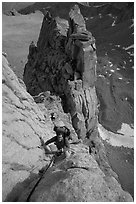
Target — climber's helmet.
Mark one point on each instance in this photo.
(64, 131)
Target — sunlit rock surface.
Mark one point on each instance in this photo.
(77, 179)
(111, 24)
(64, 62)
(22, 125)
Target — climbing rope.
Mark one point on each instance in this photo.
(33, 189)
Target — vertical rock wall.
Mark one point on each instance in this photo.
(23, 124)
(64, 62)
(23, 157)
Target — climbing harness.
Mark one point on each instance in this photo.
(33, 189)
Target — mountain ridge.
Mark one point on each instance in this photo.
(116, 98)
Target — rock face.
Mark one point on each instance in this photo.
(111, 23)
(64, 62)
(77, 178)
(22, 125)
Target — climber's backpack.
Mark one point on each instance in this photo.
(64, 130)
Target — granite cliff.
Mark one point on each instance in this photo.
(22, 125)
(79, 178)
(63, 64)
(112, 25)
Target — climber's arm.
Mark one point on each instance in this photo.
(53, 139)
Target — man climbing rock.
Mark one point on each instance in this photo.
(53, 116)
(92, 147)
(61, 140)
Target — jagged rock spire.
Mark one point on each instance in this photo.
(66, 64)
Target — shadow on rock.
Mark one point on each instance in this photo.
(14, 195)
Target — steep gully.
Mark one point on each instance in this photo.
(64, 62)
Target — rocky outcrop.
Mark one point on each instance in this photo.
(77, 179)
(22, 125)
(22, 157)
(64, 62)
(106, 21)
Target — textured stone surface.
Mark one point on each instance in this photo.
(77, 179)
(64, 62)
(57, 60)
(106, 22)
(22, 125)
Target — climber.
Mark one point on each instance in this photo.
(92, 147)
(53, 116)
(61, 140)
